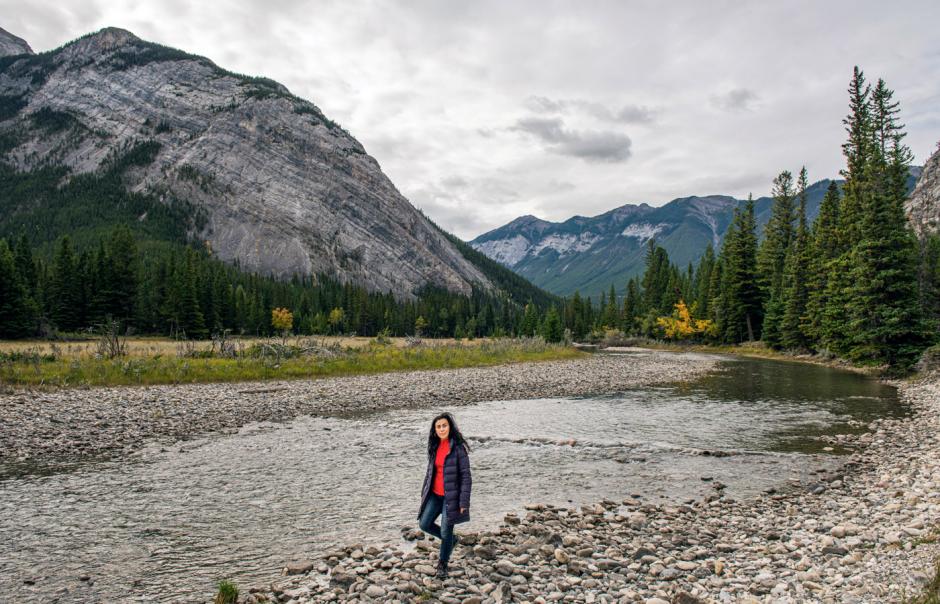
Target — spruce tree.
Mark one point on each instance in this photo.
(122, 274)
(631, 307)
(796, 277)
(191, 319)
(552, 329)
(611, 318)
(17, 313)
(740, 309)
(824, 248)
(702, 294)
(65, 288)
(771, 258)
(885, 323)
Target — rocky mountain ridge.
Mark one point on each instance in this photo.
(13, 45)
(923, 206)
(285, 190)
(588, 254)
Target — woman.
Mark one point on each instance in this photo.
(446, 489)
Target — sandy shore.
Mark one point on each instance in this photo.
(42, 427)
(865, 534)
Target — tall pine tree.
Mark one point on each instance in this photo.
(796, 277)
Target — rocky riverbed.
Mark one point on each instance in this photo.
(46, 427)
(866, 533)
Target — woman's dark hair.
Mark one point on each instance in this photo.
(433, 439)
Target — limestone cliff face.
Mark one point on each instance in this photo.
(286, 190)
(12, 45)
(923, 206)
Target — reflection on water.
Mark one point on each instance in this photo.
(169, 524)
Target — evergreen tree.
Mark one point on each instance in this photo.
(658, 279)
(552, 330)
(191, 319)
(578, 325)
(66, 288)
(795, 278)
(702, 284)
(17, 313)
(771, 258)
(885, 321)
(631, 307)
(611, 315)
(858, 154)
(122, 274)
(530, 320)
(824, 248)
(740, 306)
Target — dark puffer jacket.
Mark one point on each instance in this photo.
(456, 483)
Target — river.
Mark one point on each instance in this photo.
(168, 523)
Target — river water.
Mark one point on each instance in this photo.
(171, 522)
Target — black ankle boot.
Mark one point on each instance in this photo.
(441, 569)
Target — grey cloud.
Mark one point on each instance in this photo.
(589, 145)
(542, 104)
(457, 208)
(629, 114)
(454, 182)
(635, 114)
(737, 99)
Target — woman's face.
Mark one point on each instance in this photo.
(442, 428)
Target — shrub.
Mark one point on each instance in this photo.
(227, 594)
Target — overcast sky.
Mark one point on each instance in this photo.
(484, 111)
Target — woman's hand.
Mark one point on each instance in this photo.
(462, 510)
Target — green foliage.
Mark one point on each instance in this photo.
(17, 308)
(46, 203)
(824, 249)
(52, 121)
(740, 311)
(37, 67)
(227, 594)
(10, 105)
(143, 53)
(795, 278)
(552, 329)
(772, 254)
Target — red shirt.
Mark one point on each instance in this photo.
(442, 450)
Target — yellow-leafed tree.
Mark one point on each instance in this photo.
(681, 325)
(282, 320)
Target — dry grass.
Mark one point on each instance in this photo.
(164, 362)
(149, 347)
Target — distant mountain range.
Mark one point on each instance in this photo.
(260, 177)
(589, 254)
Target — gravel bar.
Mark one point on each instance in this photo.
(68, 425)
(866, 533)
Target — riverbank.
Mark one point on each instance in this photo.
(39, 427)
(865, 534)
(147, 363)
(755, 350)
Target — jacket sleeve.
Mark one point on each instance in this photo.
(463, 462)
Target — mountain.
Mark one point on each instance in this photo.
(589, 254)
(12, 45)
(182, 149)
(923, 206)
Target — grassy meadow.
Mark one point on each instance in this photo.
(147, 361)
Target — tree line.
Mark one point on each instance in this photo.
(166, 289)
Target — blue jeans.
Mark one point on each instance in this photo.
(435, 507)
